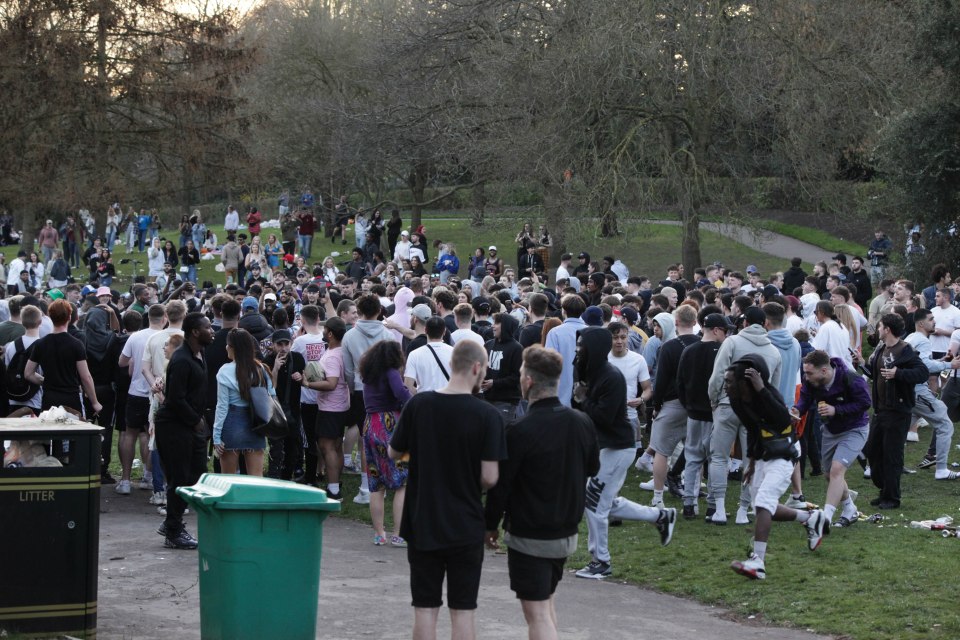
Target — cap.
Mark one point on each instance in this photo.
(55, 294)
(755, 315)
(717, 321)
(593, 316)
(770, 290)
(104, 291)
(280, 335)
(481, 304)
(583, 255)
(492, 248)
(794, 302)
(422, 312)
(288, 258)
(405, 233)
(250, 303)
(629, 314)
(302, 273)
(255, 266)
(752, 268)
(270, 296)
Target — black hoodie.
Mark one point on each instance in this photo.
(606, 401)
(504, 357)
(760, 410)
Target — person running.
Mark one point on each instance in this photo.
(601, 393)
(541, 511)
(451, 463)
(772, 447)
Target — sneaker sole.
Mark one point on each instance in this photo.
(178, 547)
(592, 576)
(738, 567)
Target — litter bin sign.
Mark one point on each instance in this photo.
(49, 528)
(259, 554)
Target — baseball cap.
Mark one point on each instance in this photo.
(405, 233)
(288, 258)
(422, 312)
(280, 335)
(755, 315)
(302, 274)
(794, 302)
(55, 294)
(593, 316)
(481, 304)
(255, 267)
(752, 268)
(630, 315)
(583, 255)
(717, 321)
(104, 291)
(250, 303)
(492, 248)
(770, 290)
(270, 296)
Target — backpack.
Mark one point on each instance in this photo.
(19, 389)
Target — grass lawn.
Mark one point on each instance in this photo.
(646, 249)
(870, 582)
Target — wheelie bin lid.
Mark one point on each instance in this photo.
(249, 493)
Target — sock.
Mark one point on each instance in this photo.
(639, 445)
(646, 457)
(364, 483)
(803, 516)
(828, 511)
(657, 496)
(721, 513)
(760, 549)
(334, 487)
(796, 496)
(849, 509)
(940, 474)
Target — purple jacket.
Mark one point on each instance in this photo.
(849, 395)
(386, 394)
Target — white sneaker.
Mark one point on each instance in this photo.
(643, 465)
(648, 485)
(123, 487)
(922, 423)
(796, 503)
(913, 436)
(146, 482)
(866, 472)
(362, 497)
(158, 498)
(742, 517)
(657, 504)
(752, 567)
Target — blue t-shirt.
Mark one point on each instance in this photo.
(143, 222)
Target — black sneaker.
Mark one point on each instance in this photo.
(675, 486)
(596, 570)
(183, 540)
(334, 496)
(162, 529)
(927, 462)
(665, 524)
(106, 478)
(689, 512)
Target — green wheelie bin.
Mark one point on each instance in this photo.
(260, 543)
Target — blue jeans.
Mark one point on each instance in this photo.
(106, 281)
(305, 245)
(192, 273)
(158, 479)
(183, 240)
(141, 238)
(111, 238)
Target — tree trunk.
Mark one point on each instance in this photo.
(479, 205)
(690, 237)
(557, 205)
(417, 182)
(608, 224)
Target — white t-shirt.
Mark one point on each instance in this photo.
(134, 349)
(153, 353)
(833, 339)
(311, 347)
(634, 369)
(423, 368)
(466, 334)
(948, 318)
(794, 323)
(36, 401)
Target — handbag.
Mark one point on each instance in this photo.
(267, 417)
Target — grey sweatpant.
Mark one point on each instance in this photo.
(696, 450)
(604, 503)
(935, 412)
(726, 428)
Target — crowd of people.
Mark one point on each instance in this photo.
(439, 389)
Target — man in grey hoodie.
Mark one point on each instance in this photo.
(364, 334)
(752, 339)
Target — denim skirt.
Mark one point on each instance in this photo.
(238, 434)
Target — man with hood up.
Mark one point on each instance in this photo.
(752, 339)
(504, 357)
(601, 393)
(364, 334)
(772, 447)
(253, 321)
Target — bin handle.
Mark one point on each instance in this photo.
(333, 505)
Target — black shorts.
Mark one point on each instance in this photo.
(137, 414)
(331, 424)
(461, 566)
(533, 578)
(358, 410)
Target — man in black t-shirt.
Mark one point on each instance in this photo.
(443, 520)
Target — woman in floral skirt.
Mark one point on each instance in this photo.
(384, 395)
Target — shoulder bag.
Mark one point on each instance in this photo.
(267, 417)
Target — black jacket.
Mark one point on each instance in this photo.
(693, 376)
(534, 499)
(900, 392)
(761, 411)
(668, 363)
(185, 395)
(257, 325)
(531, 333)
(504, 357)
(861, 279)
(606, 401)
(793, 278)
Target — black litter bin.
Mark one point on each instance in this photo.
(49, 528)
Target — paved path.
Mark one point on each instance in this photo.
(765, 241)
(147, 591)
